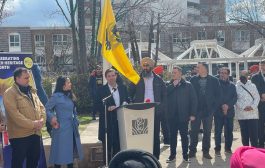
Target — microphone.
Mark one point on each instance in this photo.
(111, 93)
(113, 90)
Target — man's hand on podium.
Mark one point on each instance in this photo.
(111, 108)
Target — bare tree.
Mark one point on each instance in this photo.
(82, 37)
(69, 16)
(3, 12)
(247, 12)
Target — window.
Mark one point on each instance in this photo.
(220, 36)
(181, 37)
(60, 39)
(153, 37)
(138, 36)
(14, 42)
(242, 35)
(40, 60)
(201, 35)
(39, 40)
(193, 5)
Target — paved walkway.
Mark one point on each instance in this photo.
(90, 134)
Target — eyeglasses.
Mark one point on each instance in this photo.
(146, 65)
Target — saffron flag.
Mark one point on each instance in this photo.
(112, 48)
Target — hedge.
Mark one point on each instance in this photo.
(79, 87)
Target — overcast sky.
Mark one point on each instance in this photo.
(34, 13)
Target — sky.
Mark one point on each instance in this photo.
(34, 13)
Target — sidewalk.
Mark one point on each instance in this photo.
(199, 161)
(90, 136)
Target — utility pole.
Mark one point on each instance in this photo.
(151, 34)
(157, 38)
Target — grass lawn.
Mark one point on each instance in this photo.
(84, 119)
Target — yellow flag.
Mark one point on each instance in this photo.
(112, 48)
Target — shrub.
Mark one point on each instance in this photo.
(79, 87)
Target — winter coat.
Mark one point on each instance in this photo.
(229, 97)
(213, 91)
(245, 99)
(136, 93)
(65, 145)
(182, 101)
(21, 111)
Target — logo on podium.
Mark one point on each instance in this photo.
(139, 126)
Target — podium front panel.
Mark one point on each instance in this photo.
(136, 128)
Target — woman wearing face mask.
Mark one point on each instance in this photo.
(246, 110)
(61, 113)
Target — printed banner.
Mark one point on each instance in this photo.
(8, 63)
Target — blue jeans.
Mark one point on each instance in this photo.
(227, 124)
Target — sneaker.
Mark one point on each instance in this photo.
(228, 151)
(171, 159)
(217, 153)
(186, 160)
(192, 154)
(207, 156)
(166, 144)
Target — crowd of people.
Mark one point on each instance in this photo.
(184, 104)
(191, 102)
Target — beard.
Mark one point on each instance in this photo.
(147, 73)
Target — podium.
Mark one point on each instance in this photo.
(136, 126)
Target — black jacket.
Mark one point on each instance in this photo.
(213, 92)
(136, 93)
(258, 80)
(93, 86)
(229, 97)
(103, 92)
(182, 101)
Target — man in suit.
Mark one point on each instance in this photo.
(208, 92)
(259, 80)
(151, 87)
(119, 97)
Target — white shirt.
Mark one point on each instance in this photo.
(149, 91)
(115, 95)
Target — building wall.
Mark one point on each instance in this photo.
(25, 38)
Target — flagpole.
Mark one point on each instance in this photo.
(105, 64)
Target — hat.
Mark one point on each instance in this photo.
(133, 158)
(247, 157)
(147, 60)
(158, 70)
(254, 68)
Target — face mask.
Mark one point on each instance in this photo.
(243, 79)
(146, 73)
